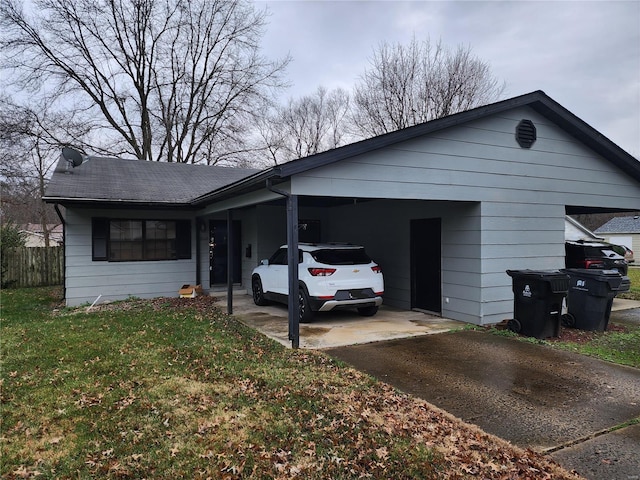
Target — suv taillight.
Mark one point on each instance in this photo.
(321, 272)
(593, 264)
(376, 269)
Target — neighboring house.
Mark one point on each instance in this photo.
(622, 231)
(34, 235)
(574, 231)
(444, 207)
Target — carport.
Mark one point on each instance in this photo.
(404, 236)
(444, 207)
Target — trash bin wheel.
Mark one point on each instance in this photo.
(568, 320)
(514, 325)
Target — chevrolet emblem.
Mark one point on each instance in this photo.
(355, 270)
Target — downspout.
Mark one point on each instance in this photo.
(199, 223)
(292, 261)
(56, 207)
(230, 242)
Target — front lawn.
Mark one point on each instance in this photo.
(173, 388)
(634, 292)
(618, 344)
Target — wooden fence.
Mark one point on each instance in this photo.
(34, 267)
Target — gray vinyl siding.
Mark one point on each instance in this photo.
(383, 227)
(272, 230)
(518, 220)
(85, 279)
(249, 237)
(480, 161)
(516, 237)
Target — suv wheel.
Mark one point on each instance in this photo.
(258, 294)
(368, 311)
(306, 315)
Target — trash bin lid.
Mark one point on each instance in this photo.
(538, 274)
(558, 281)
(611, 277)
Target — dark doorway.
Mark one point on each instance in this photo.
(426, 253)
(218, 244)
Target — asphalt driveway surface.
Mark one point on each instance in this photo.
(529, 394)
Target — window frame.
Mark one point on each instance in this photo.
(101, 239)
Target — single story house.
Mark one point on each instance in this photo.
(445, 207)
(622, 231)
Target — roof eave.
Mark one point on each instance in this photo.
(248, 183)
(111, 203)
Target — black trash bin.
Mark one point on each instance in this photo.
(537, 302)
(625, 285)
(590, 297)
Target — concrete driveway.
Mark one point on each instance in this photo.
(333, 329)
(556, 402)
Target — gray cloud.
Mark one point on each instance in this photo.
(585, 55)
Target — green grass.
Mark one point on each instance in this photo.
(173, 388)
(634, 276)
(621, 347)
(618, 347)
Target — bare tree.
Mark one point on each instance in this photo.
(412, 84)
(306, 126)
(164, 80)
(31, 139)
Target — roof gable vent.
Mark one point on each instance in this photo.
(526, 133)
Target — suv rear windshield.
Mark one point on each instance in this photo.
(595, 252)
(347, 256)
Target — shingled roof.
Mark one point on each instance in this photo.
(538, 101)
(120, 181)
(111, 181)
(621, 225)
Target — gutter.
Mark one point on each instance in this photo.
(233, 188)
(56, 207)
(109, 203)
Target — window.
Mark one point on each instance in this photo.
(347, 256)
(140, 240)
(280, 257)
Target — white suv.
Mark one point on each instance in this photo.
(331, 275)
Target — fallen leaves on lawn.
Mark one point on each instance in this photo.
(343, 425)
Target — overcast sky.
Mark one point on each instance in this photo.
(585, 55)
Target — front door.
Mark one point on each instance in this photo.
(426, 252)
(218, 244)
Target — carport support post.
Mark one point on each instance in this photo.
(292, 261)
(230, 241)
